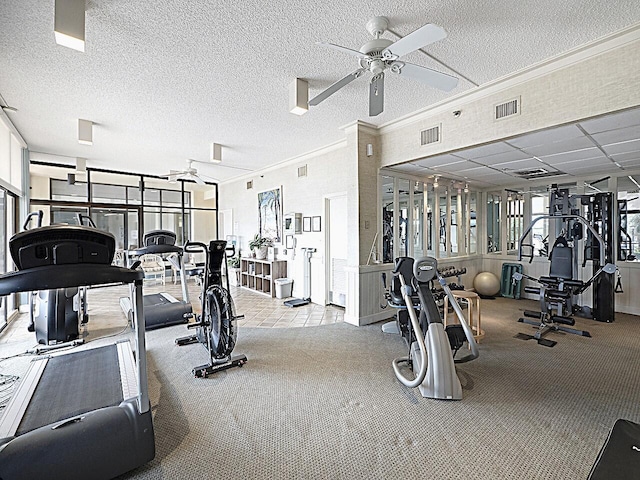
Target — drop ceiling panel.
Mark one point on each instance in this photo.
(545, 137)
(617, 136)
(438, 160)
(580, 169)
(590, 162)
(408, 168)
(569, 145)
(627, 157)
(503, 157)
(614, 121)
(521, 165)
(485, 150)
(625, 147)
(564, 157)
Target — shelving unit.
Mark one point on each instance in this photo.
(259, 275)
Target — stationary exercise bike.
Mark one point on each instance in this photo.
(216, 327)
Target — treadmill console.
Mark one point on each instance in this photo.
(62, 245)
(159, 237)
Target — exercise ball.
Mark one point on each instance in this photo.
(487, 284)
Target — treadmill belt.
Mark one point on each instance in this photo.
(73, 384)
(154, 299)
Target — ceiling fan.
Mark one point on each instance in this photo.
(189, 173)
(380, 54)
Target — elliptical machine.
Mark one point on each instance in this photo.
(432, 348)
(55, 315)
(216, 327)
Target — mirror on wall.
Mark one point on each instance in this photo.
(444, 226)
(494, 201)
(515, 220)
(404, 187)
(386, 197)
(418, 220)
(473, 229)
(629, 218)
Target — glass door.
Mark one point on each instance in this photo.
(121, 223)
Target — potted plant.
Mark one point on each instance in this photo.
(260, 246)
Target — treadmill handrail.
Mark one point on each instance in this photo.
(50, 277)
(580, 218)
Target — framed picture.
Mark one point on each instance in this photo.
(270, 214)
(316, 224)
(306, 224)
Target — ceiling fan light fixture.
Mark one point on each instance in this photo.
(299, 97)
(85, 132)
(216, 153)
(69, 23)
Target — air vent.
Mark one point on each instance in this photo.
(249, 184)
(508, 109)
(535, 173)
(429, 136)
(302, 171)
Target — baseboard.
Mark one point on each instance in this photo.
(366, 320)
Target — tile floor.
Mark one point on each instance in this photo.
(259, 311)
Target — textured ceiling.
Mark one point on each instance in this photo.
(162, 79)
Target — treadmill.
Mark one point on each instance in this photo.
(84, 414)
(161, 309)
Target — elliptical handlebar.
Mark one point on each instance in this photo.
(232, 249)
(406, 293)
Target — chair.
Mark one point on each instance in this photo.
(153, 267)
(473, 305)
(190, 268)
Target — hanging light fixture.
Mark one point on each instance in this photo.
(215, 155)
(85, 132)
(299, 97)
(435, 182)
(466, 188)
(69, 23)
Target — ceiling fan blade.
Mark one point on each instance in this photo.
(376, 95)
(335, 87)
(419, 38)
(423, 74)
(198, 180)
(346, 50)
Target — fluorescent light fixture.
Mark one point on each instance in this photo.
(216, 153)
(299, 97)
(69, 23)
(85, 132)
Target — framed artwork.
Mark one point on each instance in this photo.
(316, 224)
(270, 214)
(306, 224)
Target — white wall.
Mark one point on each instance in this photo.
(325, 175)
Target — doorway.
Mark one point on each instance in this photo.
(336, 235)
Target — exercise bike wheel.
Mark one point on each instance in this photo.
(222, 321)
